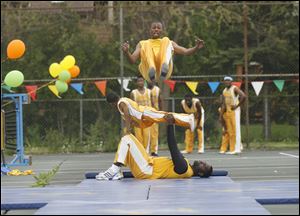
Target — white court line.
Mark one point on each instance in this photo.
(295, 156)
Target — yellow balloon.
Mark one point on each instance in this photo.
(68, 62)
(55, 69)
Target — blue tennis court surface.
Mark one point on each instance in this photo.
(215, 195)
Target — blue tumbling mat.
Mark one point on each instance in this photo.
(214, 195)
(128, 174)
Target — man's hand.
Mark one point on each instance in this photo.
(125, 47)
(169, 118)
(199, 43)
(199, 127)
(224, 132)
(234, 107)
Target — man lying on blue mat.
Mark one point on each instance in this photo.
(131, 153)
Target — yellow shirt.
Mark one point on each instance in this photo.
(142, 99)
(154, 43)
(155, 91)
(163, 168)
(193, 108)
(230, 98)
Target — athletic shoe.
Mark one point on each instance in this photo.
(109, 175)
(151, 74)
(154, 154)
(231, 153)
(200, 152)
(221, 152)
(185, 152)
(164, 71)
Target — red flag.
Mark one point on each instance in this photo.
(238, 84)
(101, 85)
(171, 84)
(31, 90)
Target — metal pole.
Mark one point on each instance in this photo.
(245, 13)
(81, 121)
(121, 55)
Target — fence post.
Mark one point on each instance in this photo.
(81, 121)
(121, 55)
(245, 18)
(267, 126)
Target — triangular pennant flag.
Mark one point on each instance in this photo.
(171, 84)
(192, 86)
(238, 84)
(101, 85)
(54, 90)
(279, 84)
(125, 83)
(257, 85)
(77, 87)
(213, 86)
(31, 89)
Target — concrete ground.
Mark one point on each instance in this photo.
(248, 166)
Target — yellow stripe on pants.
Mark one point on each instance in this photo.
(131, 153)
(229, 118)
(225, 142)
(189, 140)
(143, 136)
(154, 138)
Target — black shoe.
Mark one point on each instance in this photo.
(151, 74)
(154, 154)
(164, 71)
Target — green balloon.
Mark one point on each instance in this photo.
(14, 78)
(64, 75)
(61, 86)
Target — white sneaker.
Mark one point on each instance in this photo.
(231, 153)
(221, 152)
(109, 175)
(185, 152)
(192, 122)
(200, 152)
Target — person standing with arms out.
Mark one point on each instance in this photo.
(156, 53)
(157, 104)
(192, 105)
(231, 100)
(142, 96)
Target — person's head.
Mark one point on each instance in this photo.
(202, 169)
(140, 81)
(156, 29)
(227, 81)
(188, 99)
(112, 98)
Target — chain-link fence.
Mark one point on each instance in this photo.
(93, 33)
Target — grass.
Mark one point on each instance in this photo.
(283, 136)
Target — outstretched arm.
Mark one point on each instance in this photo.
(180, 164)
(135, 55)
(188, 51)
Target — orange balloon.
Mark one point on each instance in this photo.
(74, 71)
(15, 49)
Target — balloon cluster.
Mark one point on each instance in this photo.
(64, 72)
(15, 50)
